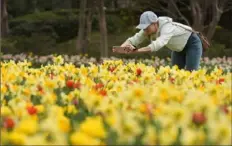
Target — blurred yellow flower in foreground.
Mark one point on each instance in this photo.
(64, 124)
(94, 127)
(80, 138)
(17, 138)
(28, 126)
(114, 102)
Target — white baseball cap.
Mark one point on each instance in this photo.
(146, 19)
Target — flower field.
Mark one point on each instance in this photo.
(115, 102)
(225, 63)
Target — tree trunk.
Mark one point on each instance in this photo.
(103, 29)
(59, 4)
(4, 19)
(171, 9)
(175, 7)
(198, 23)
(34, 6)
(115, 4)
(53, 4)
(89, 24)
(81, 31)
(67, 4)
(217, 13)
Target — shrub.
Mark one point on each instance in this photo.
(37, 43)
(218, 50)
(62, 24)
(223, 36)
(54, 24)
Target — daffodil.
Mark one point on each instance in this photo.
(80, 138)
(17, 138)
(27, 126)
(61, 103)
(93, 127)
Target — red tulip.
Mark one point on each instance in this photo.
(220, 81)
(198, 118)
(40, 89)
(111, 69)
(77, 85)
(98, 86)
(70, 84)
(225, 109)
(31, 110)
(8, 123)
(171, 79)
(103, 92)
(138, 72)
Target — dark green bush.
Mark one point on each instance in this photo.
(218, 50)
(223, 36)
(54, 24)
(40, 31)
(37, 43)
(114, 24)
(8, 46)
(61, 24)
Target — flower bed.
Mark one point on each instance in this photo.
(114, 102)
(224, 63)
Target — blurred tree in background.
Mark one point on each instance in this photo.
(94, 26)
(4, 19)
(103, 29)
(82, 35)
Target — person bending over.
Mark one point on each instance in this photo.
(185, 45)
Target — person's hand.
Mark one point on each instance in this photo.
(131, 51)
(114, 50)
(128, 46)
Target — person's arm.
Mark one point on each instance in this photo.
(165, 35)
(154, 46)
(141, 50)
(135, 40)
(160, 42)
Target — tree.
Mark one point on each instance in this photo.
(103, 29)
(87, 9)
(34, 6)
(4, 19)
(115, 4)
(91, 8)
(82, 24)
(218, 8)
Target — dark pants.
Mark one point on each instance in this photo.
(189, 58)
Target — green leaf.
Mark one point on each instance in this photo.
(36, 100)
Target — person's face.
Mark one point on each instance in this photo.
(153, 28)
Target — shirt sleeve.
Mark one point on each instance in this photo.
(166, 34)
(138, 38)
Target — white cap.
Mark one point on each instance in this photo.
(146, 19)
